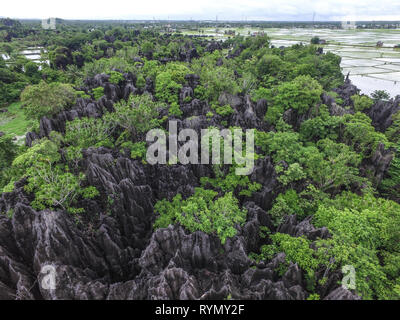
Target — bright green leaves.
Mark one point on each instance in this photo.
(175, 110)
(116, 77)
(329, 165)
(285, 146)
(292, 174)
(322, 126)
(43, 151)
(201, 212)
(170, 81)
(166, 88)
(46, 99)
(297, 250)
(137, 150)
(88, 132)
(214, 79)
(137, 116)
(51, 182)
(333, 165)
(365, 234)
(98, 93)
(53, 186)
(362, 102)
(393, 132)
(364, 230)
(300, 94)
(301, 204)
(223, 111)
(8, 151)
(270, 65)
(391, 184)
(361, 135)
(231, 182)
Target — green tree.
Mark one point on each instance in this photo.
(8, 151)
(31, 69)
(380, 95)
(201, 213)
(137, 115)
(301, 94)
(46, 100)
(362, 102)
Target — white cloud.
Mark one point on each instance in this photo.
(204, 9)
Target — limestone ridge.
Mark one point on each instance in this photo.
(116, 254)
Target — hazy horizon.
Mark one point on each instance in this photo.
(232, 10)
(189, 20)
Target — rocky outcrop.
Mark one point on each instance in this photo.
(213, 45)
(378, 164)
(116, 254)
(305, 228)
(113, 252)
(346, 91)
(121, 258)
(342, 294)
(382, 113)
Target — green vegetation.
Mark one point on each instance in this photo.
(198, 213)
(51, 182)
(301, 94)
(323, 167)
(380, 95)
(361, 228)
(8, 151)
(224, 111)
(315, 40)
(169, 82)
(362, 102)
(14, 121)
(116, 77)
(98, 93)
(45, 100)
(137, 115)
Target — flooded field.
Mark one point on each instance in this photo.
(30, 53)
(370, 68)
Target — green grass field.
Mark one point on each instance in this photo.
(14, 122)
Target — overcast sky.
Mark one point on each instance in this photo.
(204, 9)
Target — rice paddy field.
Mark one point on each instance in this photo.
(370, 68)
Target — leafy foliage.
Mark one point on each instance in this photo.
(300, 94)
(137, 115)
(201, 212)
(362, 102)
(224, 111)
(364, 230)
(8, 151)
(46, 99)
(98, 93)
(116, 77)
(88, 132)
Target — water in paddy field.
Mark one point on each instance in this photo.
(33, 54)
(370, 68)
(368, 85)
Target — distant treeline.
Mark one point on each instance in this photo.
(236, 24)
